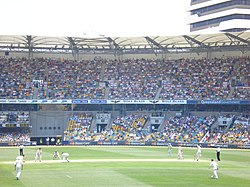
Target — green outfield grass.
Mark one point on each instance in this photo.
(99, 166)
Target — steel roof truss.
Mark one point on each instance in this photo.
(192, 41)
(239, 39)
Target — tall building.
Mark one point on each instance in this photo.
(219, 15)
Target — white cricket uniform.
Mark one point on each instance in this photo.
(169, 150)
(38, 155)
(18, 165)
(19, 158)
(198, 154)
(214, 166)
(180, 153)
(65, 157)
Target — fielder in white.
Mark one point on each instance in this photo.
(65, 157)
(214, 166)
(180, 153)
(198, 153)
(18, 166)
(170, 150)
(38, 155)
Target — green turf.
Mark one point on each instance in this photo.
(234, 167)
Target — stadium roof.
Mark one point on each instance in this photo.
(121, 45)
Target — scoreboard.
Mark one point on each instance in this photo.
(12, 125)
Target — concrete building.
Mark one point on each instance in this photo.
(209, 16)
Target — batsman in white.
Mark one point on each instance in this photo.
(56, 155)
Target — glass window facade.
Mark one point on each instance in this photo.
(220, 6)
(235, 30)
(220, 19)
(198, 1)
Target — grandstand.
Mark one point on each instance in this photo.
(129, 91)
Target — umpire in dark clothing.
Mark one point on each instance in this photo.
(218, 153)
(21, 147)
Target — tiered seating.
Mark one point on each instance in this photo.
(242, 80)
(15, 135)
(79, 127)
(199, 79)
(183, 129)
(188, 129)
(237, 134)
(126, 79)
(134, 79)
(128, 128)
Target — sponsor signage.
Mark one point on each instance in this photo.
(138, 143)
(103, 101)
(155, 102)
(80, 101)
(36, 101)
(221, 102)
(98, 101)
(192, 102)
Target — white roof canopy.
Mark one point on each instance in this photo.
(148, 44)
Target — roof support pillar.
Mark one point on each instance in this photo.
(30, 46)
(153, 43)
(237, 40)
(74, 48)
(113, 45)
